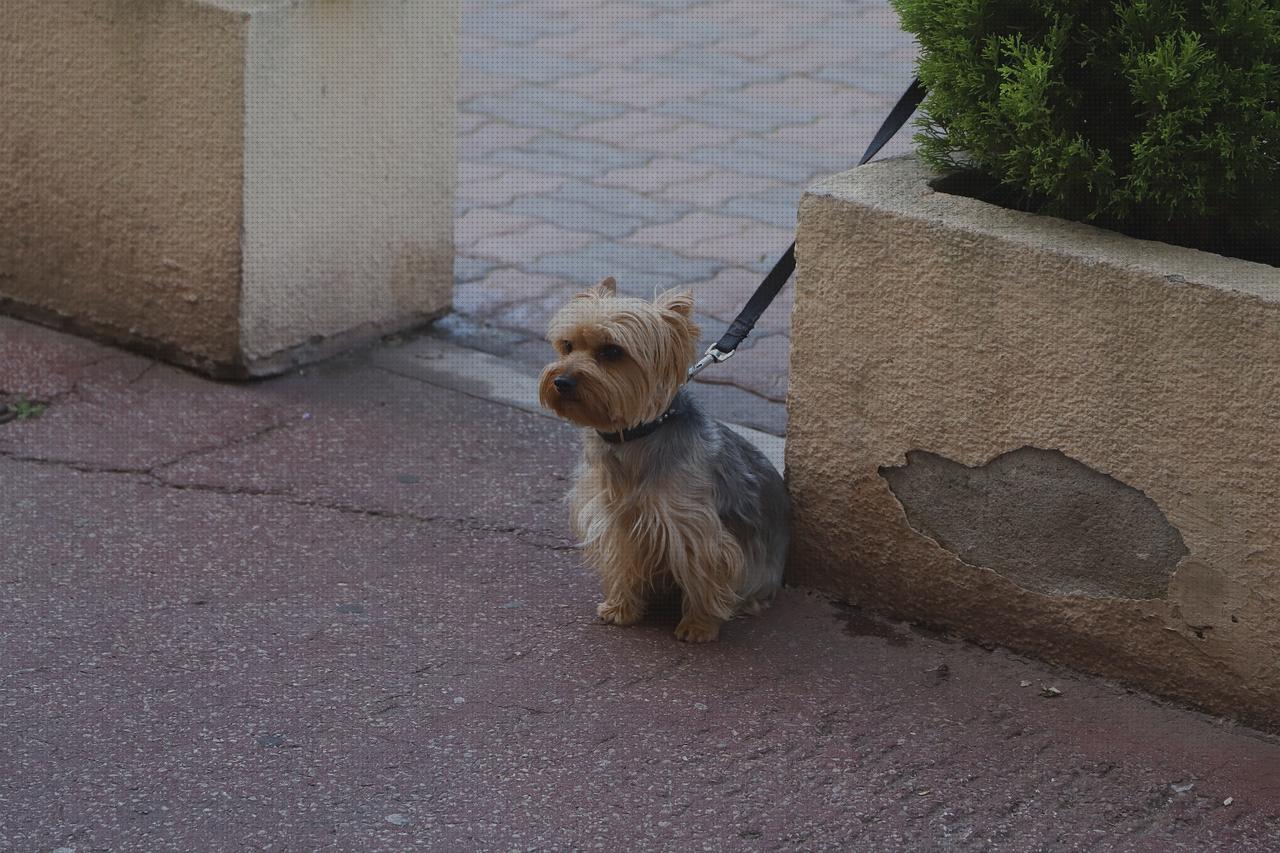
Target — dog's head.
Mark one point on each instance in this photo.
(620, 360)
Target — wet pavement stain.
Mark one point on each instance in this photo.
(859, 623)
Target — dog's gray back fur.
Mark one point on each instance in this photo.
(749, 493)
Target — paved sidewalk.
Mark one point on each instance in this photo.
(339, 611)
(662, 141)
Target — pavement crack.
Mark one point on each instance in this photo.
(142, 373)
(543, 539)
(247, 438)
(71, 465)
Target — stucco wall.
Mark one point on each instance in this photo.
(938, 333)
(121, 139)
(349, 169)
(240, 185)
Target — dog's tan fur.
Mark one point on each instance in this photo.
(643, 527)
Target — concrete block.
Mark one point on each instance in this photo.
(237, 186)
(1039, 434)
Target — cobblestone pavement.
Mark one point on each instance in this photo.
(665, 142)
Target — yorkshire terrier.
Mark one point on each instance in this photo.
(665, 497)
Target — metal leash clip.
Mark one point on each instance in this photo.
(714, 355)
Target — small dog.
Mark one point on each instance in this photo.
(664, 496)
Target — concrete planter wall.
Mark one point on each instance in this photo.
(237, 186)
(1040, 434)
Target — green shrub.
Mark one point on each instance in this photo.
(1160, 118)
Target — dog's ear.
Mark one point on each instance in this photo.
(681, 302)
(607, 287)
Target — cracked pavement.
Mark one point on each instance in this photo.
(340, 610)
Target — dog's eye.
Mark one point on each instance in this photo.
(610, 352)
(565, 347)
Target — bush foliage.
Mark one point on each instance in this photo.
(1160, 118)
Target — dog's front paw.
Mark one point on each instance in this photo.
(618, 613)
(697, 630)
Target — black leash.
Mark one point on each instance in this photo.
(777, 277)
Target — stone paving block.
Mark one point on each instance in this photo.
(625, 128)
(603, 17)
(660, 91)
(528, 244)
(720, 70)
(569, 103)
(842, 135)
(492, 136)
(536, 313)
(467, 269)
(659, 173)
(880, 14)
(502, 189)
(642, 258)
(623, 50)
(763, 44)
(634, 266)
(686, 232)
(477, 299)
(755, 247)
(505, 287)
(614, 157)
(731, 109)
(778, 215)
(819, 161)
(468, 122)
(575, 216)
(481, 222)
(820, 96)
(684, 139)
(620, 202)
(472, 43)
(600, 82)
(573, 9)
(670, 4)
(717, 188)
(774, 14)
(830, 7)
(588, 270)
(572, 43)
(552, 164)
(814, 57)
(754, 165)
(724, 294)
(515, 27)
(524, 113)
(721, 116)
(478, 170)
(879, 78)
(686, 30)
(532, 66)
(859, 37)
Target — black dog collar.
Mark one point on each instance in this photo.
(639, 431)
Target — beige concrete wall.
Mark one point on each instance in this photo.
(934, 323)
(239, 185)
(121, 139)
(349, 169)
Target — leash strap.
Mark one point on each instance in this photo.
(777, 277)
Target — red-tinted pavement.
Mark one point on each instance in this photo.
(339, 611)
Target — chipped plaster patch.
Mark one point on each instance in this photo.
(1045, 521)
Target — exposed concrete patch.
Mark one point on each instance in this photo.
(1043, 520)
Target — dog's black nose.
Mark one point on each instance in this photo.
(565, 383)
